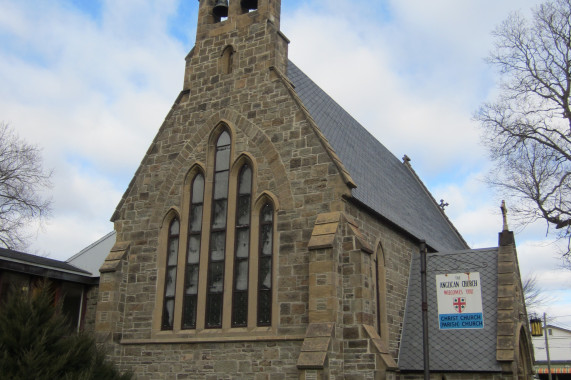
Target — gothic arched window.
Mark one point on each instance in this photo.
(227, 60)
(170, 275)
(217, 249)
(242, 248)
(193, 253)
(265, 264)
(224, 278)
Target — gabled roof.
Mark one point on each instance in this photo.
(451, 350)
(41, 266)
(384, 184)
(91, 258)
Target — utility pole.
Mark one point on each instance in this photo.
(547, 346)
(425, 347)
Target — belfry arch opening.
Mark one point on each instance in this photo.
(248, 5)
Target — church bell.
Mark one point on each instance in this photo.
(249, 4)
(221, 8)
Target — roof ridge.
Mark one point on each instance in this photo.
(90, 246)
(324, 142)
(385, 186)
(149, 151)
(407, 164)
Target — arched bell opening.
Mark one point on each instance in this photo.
(220, 10)
(249, 5)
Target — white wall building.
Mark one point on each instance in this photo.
(559, 342)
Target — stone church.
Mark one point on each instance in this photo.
(267, 235)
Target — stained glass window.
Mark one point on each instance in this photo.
(217, 250)
(242, 249)
(170, 275)
(265, 263)
(193, 253)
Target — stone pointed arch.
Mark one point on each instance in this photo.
(197, 167)
(524, 353)
(172, 214)
(227, 59)
(235, 123)
(381, 292)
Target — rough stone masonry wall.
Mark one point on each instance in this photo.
(291, 163)
(397, 248)
(91, 297)
(213, 361)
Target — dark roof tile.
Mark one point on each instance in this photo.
(450, 350)
(384, 183)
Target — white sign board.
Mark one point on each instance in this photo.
(459, 298)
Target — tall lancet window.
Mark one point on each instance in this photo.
(242, 249)
(217, 249)
(170, 275)
(193, 253)
(265, 264)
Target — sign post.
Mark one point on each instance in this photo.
(459, 301)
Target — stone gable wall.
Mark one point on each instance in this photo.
(292, 163)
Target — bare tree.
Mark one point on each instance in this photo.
(533, 295)
(527, 129)
(22, 179)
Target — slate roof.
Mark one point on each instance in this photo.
(384, 183)
(451, 350)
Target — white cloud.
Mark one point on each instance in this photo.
(92, 94)
(94, 91)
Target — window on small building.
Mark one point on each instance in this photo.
(12, 281)
(72, 305)
(170, 275)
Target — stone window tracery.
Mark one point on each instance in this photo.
(225, 270)
(170, 275)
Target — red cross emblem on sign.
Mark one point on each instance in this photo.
(459, 304)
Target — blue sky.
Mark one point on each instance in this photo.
(91, 82)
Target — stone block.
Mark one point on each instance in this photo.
(324, 229)
(311, 360)
(331, 217)
(321, 241)
(505, 342)
(316, 344)
(505, 355)
(320, 330)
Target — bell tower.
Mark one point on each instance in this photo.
(236, 38)
(213, 12)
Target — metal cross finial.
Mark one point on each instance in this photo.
(504, 215)
(443, 204)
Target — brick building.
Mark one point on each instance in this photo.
(266, 234)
